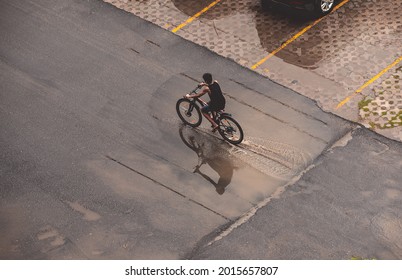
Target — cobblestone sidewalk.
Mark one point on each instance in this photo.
(381, 109)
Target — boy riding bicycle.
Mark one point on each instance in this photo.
(217, 100)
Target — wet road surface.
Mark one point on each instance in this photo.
(96, 164)
(330, 215)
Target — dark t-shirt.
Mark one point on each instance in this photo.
(217, 99)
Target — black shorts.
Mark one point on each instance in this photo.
(210, 108)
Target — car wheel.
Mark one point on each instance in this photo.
(323, 7)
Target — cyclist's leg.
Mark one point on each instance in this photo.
(206, 110)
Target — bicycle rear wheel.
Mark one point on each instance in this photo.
(230, 130)
(189, 112)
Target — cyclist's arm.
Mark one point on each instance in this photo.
(204, 91)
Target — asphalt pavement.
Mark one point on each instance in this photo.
(347, 205)
(96, 165)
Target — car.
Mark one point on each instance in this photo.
(318, 7)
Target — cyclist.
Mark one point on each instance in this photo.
(217, 100)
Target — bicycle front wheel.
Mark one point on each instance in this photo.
(230, 130)
(189, 112)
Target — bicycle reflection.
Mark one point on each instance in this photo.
(210, 154)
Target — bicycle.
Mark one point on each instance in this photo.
(188, 109)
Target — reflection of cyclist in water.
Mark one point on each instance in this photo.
(220, 164)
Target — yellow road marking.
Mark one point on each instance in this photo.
(307, 28)
(376, 77)
(191, 19)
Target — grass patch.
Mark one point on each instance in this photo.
(364, 102)
(394, 122)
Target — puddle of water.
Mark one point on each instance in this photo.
(393, 193)
(87, 214)
(52, 238)
(47, 233)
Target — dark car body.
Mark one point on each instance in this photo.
(319, 7)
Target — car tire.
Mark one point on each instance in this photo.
(323, 7)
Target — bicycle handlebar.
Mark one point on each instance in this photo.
(194, 91)
(188, 95)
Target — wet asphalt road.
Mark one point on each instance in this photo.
(96, 165)
(346, 206)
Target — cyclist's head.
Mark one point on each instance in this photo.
(207, 78)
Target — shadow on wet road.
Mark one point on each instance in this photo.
(216, 159)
